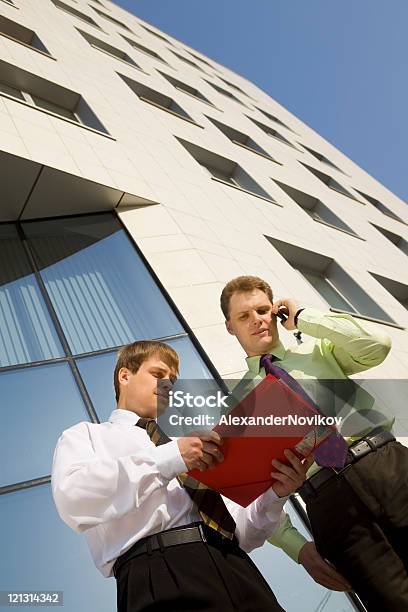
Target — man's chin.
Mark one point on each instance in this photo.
(262, 345)
(162, 407)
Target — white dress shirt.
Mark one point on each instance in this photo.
(110, 481)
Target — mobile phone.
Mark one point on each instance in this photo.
(283, 314)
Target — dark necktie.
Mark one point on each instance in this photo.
(333, 451)
(210, 504)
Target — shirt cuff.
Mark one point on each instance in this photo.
(271, 504)
(309, 320)
(169, 460)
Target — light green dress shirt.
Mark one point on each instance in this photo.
(341, 346)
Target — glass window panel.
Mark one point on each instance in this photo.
(100, 288)
(327, 291)
(37, 404)
(26, 329)
(44, 554)
(291, 583)
(220, 175)
(97, 373)
(192, 365)
(54, 108)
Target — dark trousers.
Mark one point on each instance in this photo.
(195, 576)
(360, 524)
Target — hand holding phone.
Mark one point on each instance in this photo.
(282, 314)
(285, 309)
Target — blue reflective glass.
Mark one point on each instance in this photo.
(41, 553)
(294, 588)
(97, 373)
(99, 286)
(191, 364)
(37, 404)
(26, 330)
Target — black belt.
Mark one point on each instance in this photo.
(356, 451)
(195, 532)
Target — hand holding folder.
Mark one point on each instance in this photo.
(250, 445)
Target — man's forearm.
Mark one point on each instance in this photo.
(288, 538)
(355, 347)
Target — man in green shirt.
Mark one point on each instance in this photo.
(359, 517)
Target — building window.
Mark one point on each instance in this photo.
(9, 90)
(274, 118)
(27, 332)
(330, 181)
(108, 49)
(111, 19)
(47, 96)
(155, 33)
(200, 59)
(192, 91)
(37, 423)
(327, 290)
(186, 60)
(398, 290)
(316, 209)
(224, 92)
(234, 86)
(322, 158)
(160, 100)
(31, 517)
(72, 11)
(144, 49)
(399, 241)
(225, 171)
(271, 132)
(231, 84)
(80, 260)
(332, 283)
(381, 207)
(241, 139)
(54, 108)
(21, 34)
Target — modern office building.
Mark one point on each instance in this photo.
(137, 177)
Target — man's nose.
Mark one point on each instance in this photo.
(255, 318)
(165, 385)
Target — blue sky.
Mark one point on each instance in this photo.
(339, 65)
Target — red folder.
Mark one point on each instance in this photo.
(248, 450)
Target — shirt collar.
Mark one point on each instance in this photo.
(253, 362)
(125, 417)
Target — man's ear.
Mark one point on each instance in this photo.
(123, 376)
(229, 328)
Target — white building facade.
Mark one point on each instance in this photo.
(137, 177)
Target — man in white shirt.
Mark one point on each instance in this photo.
(119, 485)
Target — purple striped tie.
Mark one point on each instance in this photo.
(333, 451)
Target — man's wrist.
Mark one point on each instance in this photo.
(295, 318)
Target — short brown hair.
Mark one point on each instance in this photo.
(133, 355)
(241, 284)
